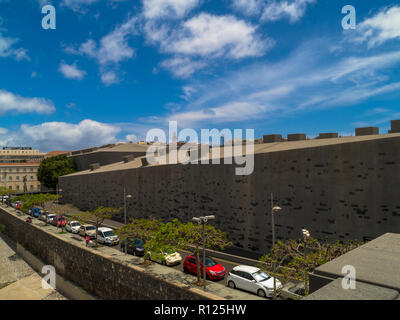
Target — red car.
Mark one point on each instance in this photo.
(59, 221)
(214, 270)
(18, 206)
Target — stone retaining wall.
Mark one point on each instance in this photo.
(101, 275)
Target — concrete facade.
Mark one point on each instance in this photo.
(338, 188)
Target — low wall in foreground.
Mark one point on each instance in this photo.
(99, 274)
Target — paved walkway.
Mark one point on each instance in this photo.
(18, 281)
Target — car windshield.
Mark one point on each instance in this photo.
(168, 251)
(138, 243)
(209, 262)
(90, 228)
(75, 224)
(108, 233)
(260, 276)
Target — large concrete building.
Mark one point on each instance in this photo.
(18, 168)
(336, 187)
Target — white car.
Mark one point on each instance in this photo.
(50, 217)
(73, 226)
(252, 279)
(107, 236)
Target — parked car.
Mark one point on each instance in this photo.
(107, 236)
(35, 212)
(43, 215)
(134, 246)
(252, 279)
(18, 206)
(87, 230)
(167, 257)
(50, 217)
(214, 270)
(59, 221)
(73, 226)
(15, 204)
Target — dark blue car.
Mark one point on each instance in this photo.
(35, 212)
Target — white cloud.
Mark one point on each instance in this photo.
(382, 27)
(273, 10)
(61, 135)
(109, 77)
(294, 10)
(248, 7)
(10, 102)
(7, 49)
(210, 35)
(156, 9)
(113, 49)
(205, 37)
(302, 82)
(182, 67)
(78, 5)
(71, 71)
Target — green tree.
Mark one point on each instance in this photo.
(97, 216)
(52, 168)
(37, 200)
(6, 192)
(296, 258)
(191, 235)
(149, 230)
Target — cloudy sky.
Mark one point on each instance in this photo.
(114, 69)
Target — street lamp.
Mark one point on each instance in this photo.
(203, 221)
(126, 196)
(306, 236)
(274, 209)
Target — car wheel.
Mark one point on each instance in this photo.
(185, 270)
(261, 293)
(232, 285)
(163, 263)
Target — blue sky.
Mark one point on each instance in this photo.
(113, 69)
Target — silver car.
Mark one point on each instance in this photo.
(73, 226)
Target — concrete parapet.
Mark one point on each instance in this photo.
(395, 126)
(272, 138)
(365, 131)
(328, 135)
(296, 137)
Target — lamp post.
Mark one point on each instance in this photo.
(306, 236)
(126, 196)
(203, 221)
(273, 209)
